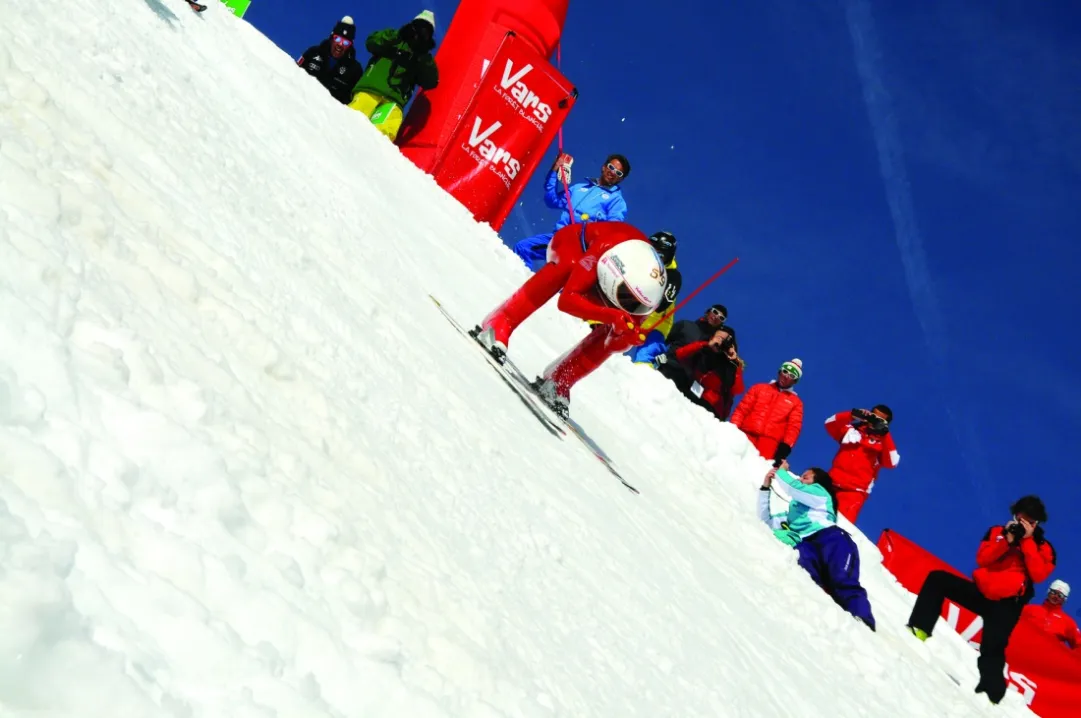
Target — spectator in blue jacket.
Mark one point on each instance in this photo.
(595, 200)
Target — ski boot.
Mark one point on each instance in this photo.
(486, 338)
(549, 393)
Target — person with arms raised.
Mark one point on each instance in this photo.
(826, 551)
(866, 447)
(594, 200)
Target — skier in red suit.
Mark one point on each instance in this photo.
(866, 447)
(604, 272)
(1050, 616)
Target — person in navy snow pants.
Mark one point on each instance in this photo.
(833, 560)
(596, 200)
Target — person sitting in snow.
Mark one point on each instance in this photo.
(659, 323)
(334, 62)
(826, 551)
(604, 272)
(1011, 559)
(771, 415)
(866, 447)
(1051, 617)
(594, 200)
(401, 60)
(708, 372)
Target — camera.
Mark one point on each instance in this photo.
(728, 343)
(1016, 530)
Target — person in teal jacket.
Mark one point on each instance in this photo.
(826, 551)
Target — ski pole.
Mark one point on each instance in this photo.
(563, 177)
(689, 297)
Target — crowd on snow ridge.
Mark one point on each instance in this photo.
(400, 60)
(589, 260)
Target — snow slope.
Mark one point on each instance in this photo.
(246, 468)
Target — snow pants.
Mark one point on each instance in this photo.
(534, 250)
(999, 619)
(833, 560)
(850, 502)
(385, 114)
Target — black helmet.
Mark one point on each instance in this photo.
(665, 244)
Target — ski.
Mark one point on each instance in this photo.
(527, 397)
(570, 424)
(523, 388)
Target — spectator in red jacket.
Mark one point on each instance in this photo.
(1010, 560)
(866, 447)
(709, 372)
(771, 415)
(1051, 617)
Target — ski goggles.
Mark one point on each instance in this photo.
(612, 168)
(341, 41)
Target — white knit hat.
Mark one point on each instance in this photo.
(427, 16)
(1060, 586)
(795, 366)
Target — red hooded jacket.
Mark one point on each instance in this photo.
(856, 465)
(1010, 571)
(1054, 620)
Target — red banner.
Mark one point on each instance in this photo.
(504, 131)
(1039, 666)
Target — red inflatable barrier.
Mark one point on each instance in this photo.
(499, 103)
(1044, 671)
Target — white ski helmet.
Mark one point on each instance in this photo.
(1061, 587)
(632, 277)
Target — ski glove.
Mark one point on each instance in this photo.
(852, 436)
(783, 451)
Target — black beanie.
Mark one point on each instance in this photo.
(346, 28)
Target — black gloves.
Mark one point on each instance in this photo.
(782, 453)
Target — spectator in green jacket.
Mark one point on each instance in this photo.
(401, 60)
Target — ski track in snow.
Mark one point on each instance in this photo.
(246, 469)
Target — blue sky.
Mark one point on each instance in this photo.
(902, 185)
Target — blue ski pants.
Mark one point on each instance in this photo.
(534, 250)
(833, 560)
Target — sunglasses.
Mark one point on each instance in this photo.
(613, 170)
(343, 41)
(716, 313)
(789, 373)
(1057, 594)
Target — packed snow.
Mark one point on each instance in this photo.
(247, 469)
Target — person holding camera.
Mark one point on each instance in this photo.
(708, 372)
(826, 551)
(866, 447)
(1011, 559)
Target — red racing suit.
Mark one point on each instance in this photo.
(1052, 619)
(571, 272)
(856, 465)
(769, 415)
